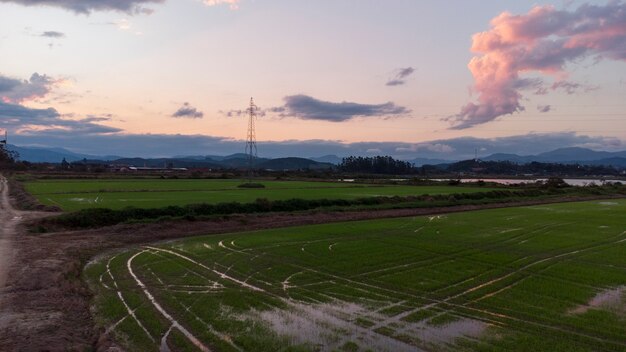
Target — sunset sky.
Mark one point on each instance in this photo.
(403, 77)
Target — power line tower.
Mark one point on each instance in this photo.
(251, 149)
(6, 138)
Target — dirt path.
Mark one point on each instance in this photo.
(8, 222)
(12, 319)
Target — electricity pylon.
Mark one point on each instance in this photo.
(251, 149)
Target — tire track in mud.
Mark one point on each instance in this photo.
(195, 341)
(130, 312)
(489, 317)
(187, 308)
(299, 308)
(454, 255)
(434, 302)
(473, 313)
(493, 318)
(543, 260)
(521, 270)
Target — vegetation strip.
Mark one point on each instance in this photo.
(107, 217)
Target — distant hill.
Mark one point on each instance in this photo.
(507, 157)
(574, 155)
(52, 155)
(582, 156)
(163, 162)
(482, 167)
(212, 157)
(615, 162)
(425, 161)
(331, 159)
(235, 163)
(227, 157)
(293, 164)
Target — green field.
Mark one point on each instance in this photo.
(540, 278)
(73, 195)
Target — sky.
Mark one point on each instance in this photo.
(435, 79)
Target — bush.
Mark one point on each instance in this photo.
(556, 182)
(251, 185)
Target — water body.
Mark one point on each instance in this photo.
(569, 181)
(512, 181)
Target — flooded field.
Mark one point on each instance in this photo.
(71, 195)
(570, 181)
(539, 278)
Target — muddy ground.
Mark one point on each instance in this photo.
(45, 305)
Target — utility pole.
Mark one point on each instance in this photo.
(251, 149)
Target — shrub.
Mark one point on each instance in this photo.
(251, 185)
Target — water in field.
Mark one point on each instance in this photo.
(510, 181)
(612, 298)
(331, 325)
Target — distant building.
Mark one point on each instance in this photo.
(156, 169)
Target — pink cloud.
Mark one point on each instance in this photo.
(542, 41)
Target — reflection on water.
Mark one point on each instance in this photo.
(508, 181)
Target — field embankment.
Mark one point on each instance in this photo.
(23, 200)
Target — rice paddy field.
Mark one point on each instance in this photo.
(539, 278)
(73, 195)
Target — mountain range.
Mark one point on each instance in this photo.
(573, 155)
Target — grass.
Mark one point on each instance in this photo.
(493, 280)
(72, 195)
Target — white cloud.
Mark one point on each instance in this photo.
(233, 4)
(431, 147)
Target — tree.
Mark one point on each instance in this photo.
(7, 157)
(376, 165)
(65, 165)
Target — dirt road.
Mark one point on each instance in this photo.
(9, 219)
(12, 318)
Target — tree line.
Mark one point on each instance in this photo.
(376, 165)
(387, 165)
